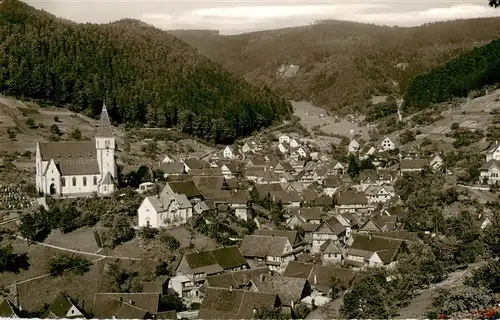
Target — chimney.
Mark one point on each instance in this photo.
(231, 288)
(131, 302)
(369, 236)
(254, 310)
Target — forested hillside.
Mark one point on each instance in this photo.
(456, 78)
(146, 75)
(341, 63)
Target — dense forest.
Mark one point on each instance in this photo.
(456, 78)
(145, 75)
(341, 63)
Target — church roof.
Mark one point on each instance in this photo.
(104, 124)
(77, 167)
(68, 150)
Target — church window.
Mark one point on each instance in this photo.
(74, 181)
(63, 182)
(84, 181)
(95, 181)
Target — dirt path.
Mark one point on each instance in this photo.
(79, 252)
(419, 304)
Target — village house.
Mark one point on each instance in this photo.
(412, 165)
(331, 184)
(490, 172)
(387, 144)
(379, 194)
(330, 252)
(239, 202)
(330, 229)
(193, 163)
(352, 202)
(373, 251)
(196, 266)
(283, 167)
(436, 162)
(366, 152)
(379, 223)
(187, 188)
(320, 276)
(293, 236)
(251, 146)
(284, 139)
(127, 306)
(493, 153)
(290, 290)
(226, 304)
(288, 199)
(294, 143)
(172, 169)
(78, 168)
(303, 152)
(283, 148)
(237, 279)
(165, 210)
(168, 159)
(353, 146)
(275, 252)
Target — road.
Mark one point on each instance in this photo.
(79, 252)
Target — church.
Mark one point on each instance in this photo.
(78, 168)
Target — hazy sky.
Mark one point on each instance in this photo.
(238, 16)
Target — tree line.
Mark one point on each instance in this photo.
(145, 75)
(456, 78)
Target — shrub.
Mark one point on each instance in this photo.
(62, 262)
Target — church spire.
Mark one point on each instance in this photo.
(104, 124)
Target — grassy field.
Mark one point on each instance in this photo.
(311, 116)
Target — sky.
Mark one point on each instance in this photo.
(238, 16)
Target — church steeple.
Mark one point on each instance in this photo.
(104, 124)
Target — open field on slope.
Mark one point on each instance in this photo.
(312, 116)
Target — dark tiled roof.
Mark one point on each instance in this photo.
(193, 163)
(8, 309)
(330, 247)
(209, 182)
(172, 168)
(187, 188)
(125, 305)
(236, 278)
(386, 248)
(298, 269)
(288, 289)
(413, 163)
(292, 236)
(254, 246)
(220, 303)
(78, 166)
(226, 258)
(61, 305)
(68, 150)
(321, 276)
(314, 213)
(350, 197)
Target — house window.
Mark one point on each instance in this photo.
(494, 175)
(74, 181)
(63, 182)
(84, 181)
(95, 181)
(105, 189)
